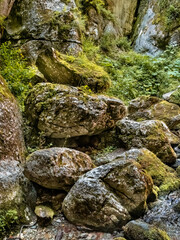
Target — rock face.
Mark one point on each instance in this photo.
(5, 8)
(139, 230)
(124, 12)
(156, 26)
(63, 69)
(11, 136)
(148, 108)
(62, 112)
(153, 135)
(164, 177)
(44, 23)
(57, 168)
(16, 192)
(106, 197)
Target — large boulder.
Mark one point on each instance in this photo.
(153, 135)
(61, 111)
(164, 177)
(108, 196)
(148, 108)
(57, 168)
(139, 230)
(38, 24)
(17, 195)
(11, 136)
(75, 71)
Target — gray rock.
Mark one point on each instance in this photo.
(106, 197)
(57, 168)
(153, 135)
(61, 111)
(16, 192)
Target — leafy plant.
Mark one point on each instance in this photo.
(14, 68)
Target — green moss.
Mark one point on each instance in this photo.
(8, 219)
(163, 176)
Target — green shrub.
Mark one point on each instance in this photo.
(15, 70)
(134, 74)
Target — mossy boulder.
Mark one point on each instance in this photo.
(139, 230)
(17, 196)
(11, 135)
(44, 23)
(153, 135)
(164, 177)
(108, 196)
(57, 168)
(75, 71)
(148, 108)
(61, 111)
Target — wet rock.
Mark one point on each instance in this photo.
(61, 111)
(11, 137)
(164, 177)
(139, 230)
(63, 69)
(57, 168)
(148, 108)
(16, 192)
(153, 135)
(164, 216)
(106, 197)
(44, 215)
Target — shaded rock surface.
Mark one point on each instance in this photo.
(16, 192)
(139, 230)
(148, 108)
(11, 135)
(61, 111)
(153, 135)
(57, 168)
(107, 196)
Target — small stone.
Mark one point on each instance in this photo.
(44, 215)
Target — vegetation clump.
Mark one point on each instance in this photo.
(15, 70)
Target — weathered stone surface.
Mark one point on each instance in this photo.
(148, 108)
(11, 136)
(164, 177)
(153, 135)
(62, 111)
(63, 69)
(155, 27)
(124, 12)
(139, 230)
(52, 23)
(57, 168)
(106, 197)
(16, 192)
